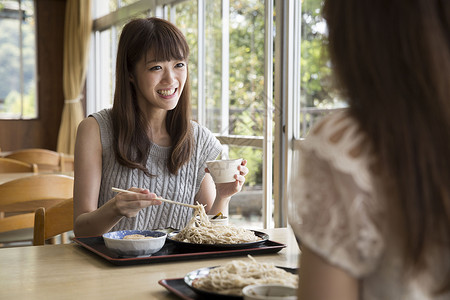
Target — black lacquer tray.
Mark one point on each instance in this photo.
(179, 287)
(173, 252)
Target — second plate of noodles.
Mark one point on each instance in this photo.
(228, 280)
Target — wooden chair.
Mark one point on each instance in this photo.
(53, 221)
(9, 165)
(67, 162)
(46, 160)
(20, 198)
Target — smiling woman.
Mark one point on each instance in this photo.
(147, 140)
(150, 70)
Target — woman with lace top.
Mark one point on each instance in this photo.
(147, 142)
(371, 201)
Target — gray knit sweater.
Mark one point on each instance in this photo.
(181, 188)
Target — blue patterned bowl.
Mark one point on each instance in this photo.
(134, 247)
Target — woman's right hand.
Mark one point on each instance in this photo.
(129, 204)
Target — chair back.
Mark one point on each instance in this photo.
(46, 160)
(29, 193)
(20, 198)
(55, 220)
(9, 165)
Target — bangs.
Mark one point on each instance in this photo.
(166, 43)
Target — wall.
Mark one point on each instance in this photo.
(43, 131)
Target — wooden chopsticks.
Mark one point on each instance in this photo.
(160, 199)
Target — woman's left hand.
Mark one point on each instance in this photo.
(226, 190)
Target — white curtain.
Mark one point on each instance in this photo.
(77, 31)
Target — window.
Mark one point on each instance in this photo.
(17, 60)
(317, 96)
(231, 102)
(303, 86)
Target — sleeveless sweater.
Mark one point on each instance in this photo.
(180, 188)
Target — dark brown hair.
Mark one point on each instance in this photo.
(392, 58)
(131, 146)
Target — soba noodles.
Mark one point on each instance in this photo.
(233, 276)
(136, 237)
(200, 230)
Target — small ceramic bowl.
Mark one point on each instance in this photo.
(115, 241)
(223, 170)
(269, 292)
(220, 220)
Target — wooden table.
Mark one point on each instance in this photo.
(71, 272)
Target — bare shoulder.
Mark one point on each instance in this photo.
(88, 124)
(88, 134)
(88, 129)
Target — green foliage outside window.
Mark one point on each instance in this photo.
(315, 71)
(317, 94)
(16, 103)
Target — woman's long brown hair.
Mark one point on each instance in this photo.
(392, 59)
(131, 142)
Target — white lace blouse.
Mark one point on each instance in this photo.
(337, 210)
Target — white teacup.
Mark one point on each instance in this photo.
(223, 170)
